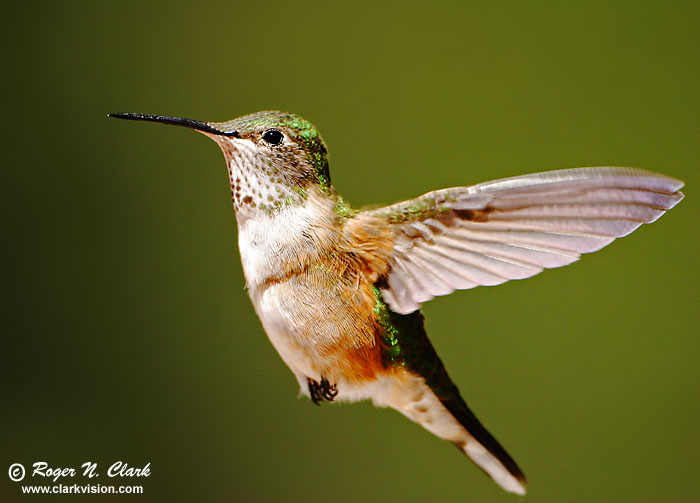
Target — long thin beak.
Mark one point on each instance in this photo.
(176, 121)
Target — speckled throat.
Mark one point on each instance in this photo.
(256, 183)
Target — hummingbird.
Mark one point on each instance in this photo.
(338, 289)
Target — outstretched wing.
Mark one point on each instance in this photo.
(514, 228)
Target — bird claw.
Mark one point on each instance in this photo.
(323, 391)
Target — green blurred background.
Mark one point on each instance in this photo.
(129, 334)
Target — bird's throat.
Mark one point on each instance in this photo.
(257, 185)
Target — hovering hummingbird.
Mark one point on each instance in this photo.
(338, 290)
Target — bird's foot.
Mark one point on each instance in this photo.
(323, 391)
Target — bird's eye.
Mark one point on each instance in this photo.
(273, 137)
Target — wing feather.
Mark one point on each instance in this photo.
(504, 267)
(443, 270)
(561, 243)
(514, 228)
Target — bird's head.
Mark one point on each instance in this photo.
(273, 157)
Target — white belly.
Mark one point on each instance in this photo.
(304, 306)
(269, 244)
(277, 315)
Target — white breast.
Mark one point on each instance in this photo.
(268, 242)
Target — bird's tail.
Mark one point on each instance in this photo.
(423, 391)
(453, 421)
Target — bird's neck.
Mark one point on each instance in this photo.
(276, 245)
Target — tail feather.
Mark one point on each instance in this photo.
(503, 476)
(410, 395)
(484, 449)
(423, 391)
